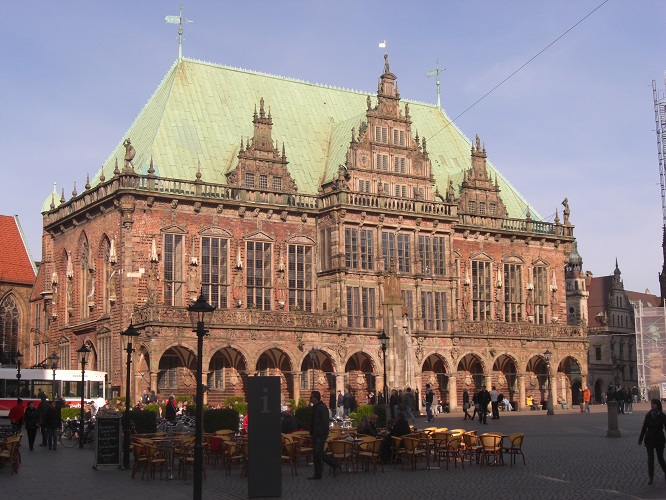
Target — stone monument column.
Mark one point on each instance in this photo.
(296, 380)
(453, 391)
(521, 392)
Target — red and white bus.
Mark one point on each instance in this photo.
(33, 380)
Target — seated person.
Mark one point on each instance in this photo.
(400, 428)
(531, 402)
(563, 403)
(368, 425)
(507, 404)
(289, 422)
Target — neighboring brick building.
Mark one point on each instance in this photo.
(312, 217)
(17, 277)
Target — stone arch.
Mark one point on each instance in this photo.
(322, 371)
(473, 372)
(274, 361)
(436, 372)
(360, 373)
(227, 374)
(176, 371)
(505, 375)
(569, 373)
(536, 379)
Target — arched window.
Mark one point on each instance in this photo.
(85, 281)
(9, 328)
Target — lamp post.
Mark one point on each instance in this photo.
(54, 366)
(549, 404)
(313, 357)
(197, 312)
(129, 334)
(18, 357)
(83, 352)
(383, 341)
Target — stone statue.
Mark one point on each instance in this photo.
(130, 153)
(450, 193)
(566, 212)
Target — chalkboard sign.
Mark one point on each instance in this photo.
(107, 442)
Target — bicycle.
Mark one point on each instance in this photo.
(69, 435)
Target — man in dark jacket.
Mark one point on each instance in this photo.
(52, 422)
(31, 418)
(319, 433)
(171, 410)
(484, 400)
(41, 409)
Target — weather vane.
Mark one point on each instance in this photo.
(179, 21)
(382, 45)
(435, 72)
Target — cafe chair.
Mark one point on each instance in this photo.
(369, 452)
(453, 450)
(516, 447)
(290, 455)
(397, 451)
(155, 461)
(10, 453)
(491, 447)
(140, 459)
(414, 451)
(341, 450)
(472, 447)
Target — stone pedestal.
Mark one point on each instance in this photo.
(613, 429)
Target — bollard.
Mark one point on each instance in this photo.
(613, 430)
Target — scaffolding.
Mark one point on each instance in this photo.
(650, 349)
(660, 119)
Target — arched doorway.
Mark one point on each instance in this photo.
(598, 390)
(276, 362)
(360, 376)
(227, 375)
(433, 372)
(317, 374)
(536, 380)
(471, 369)
(504, 377)
(570, 369)
(176, 373)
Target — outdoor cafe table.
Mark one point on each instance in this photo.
(167, 446)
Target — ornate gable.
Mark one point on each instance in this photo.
(261, 166)
(259, 236)
(384, 158)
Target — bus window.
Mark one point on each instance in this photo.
(70, 389)
(42, 385)
(95, 390)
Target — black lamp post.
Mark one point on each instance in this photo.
(549, 403)
(384, 340)
(83, 352)
(54, 366)
(197, 312)
(18, 357)
(313, 356)
(129, 334)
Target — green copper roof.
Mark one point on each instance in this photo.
(200, 111)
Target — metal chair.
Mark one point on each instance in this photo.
(516, 447)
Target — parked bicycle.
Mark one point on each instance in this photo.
(182, 424)
(69, 435)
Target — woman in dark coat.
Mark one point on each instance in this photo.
(653, 433)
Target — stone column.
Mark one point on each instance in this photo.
(521, 392)
(453, 392)
(296, 381)
(339, 383)
(553, 384)
(379, 385)
(204, 380)
(153, 381)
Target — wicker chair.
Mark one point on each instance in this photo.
(516, 447)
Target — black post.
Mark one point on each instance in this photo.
(83, 403)
(18, 373)
(198, 446)
(385, 396)
(54, 365)
(128, 402)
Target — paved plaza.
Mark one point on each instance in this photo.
(568, 455)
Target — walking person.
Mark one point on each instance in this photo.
(586, 399)
(484, 399)
(429, 398)
(52, 421)
(319, 433)
(31, 420)
(475, 404)
(653, 433)
(16, 415)
(409, 404)
(340, 405)
(628, 401)
(347, 402)
(494, 403)
(465, 401)
(41, 409)
(394, 402)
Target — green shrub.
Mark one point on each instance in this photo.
(66, 413)
(303, 403)
(368, 410)
(145, 420)
(225, 418)
(185, 399)
(304, 417)
(380, 411)
(237, 403)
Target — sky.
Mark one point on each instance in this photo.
(577, 121)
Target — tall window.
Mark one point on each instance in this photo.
(259, 257)
(388, 250)
(399, 137)
(214, 270)
(540, 281)
(359, 248)
(433, 310)
(65, 360)
(167, 377)
(481, 291)
(104, 350)
(9, 328)
(277, 183)
(513, 293)
(381, 134)
(325, 245)
(216, 372)
(38, 316)
(404, 253)
(432, 251)
(173, 269)
(301, 283)
(360, 307)
(85, 277)
(104, 277)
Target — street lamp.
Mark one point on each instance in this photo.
(83, 353)
(549, 404)
(54, 366)
(129, 334)
(197, 312)
(383, 341)
(313, 357)
(18, 357)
